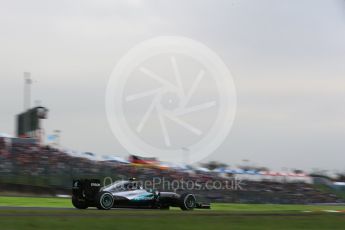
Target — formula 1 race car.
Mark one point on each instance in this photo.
(128, 194)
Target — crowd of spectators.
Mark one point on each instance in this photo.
(27, 164)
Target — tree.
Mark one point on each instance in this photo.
(340, 177)
(298, 171)
(214, 165)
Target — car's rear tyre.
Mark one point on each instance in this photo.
(105, 200)
(79, 204)
(187, 201)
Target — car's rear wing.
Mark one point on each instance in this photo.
(86, 188)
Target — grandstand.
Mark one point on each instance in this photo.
(26, 166)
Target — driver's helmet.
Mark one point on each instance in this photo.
(134, 186)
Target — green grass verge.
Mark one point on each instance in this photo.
(34, 202)
(222, 216)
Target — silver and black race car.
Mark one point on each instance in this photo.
(128, 194)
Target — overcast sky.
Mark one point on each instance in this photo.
(287, 58)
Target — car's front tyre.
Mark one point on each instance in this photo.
(187, 201)
(105, 200)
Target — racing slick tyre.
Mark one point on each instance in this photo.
(187, 201)
(79, 204)
(104, 200)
